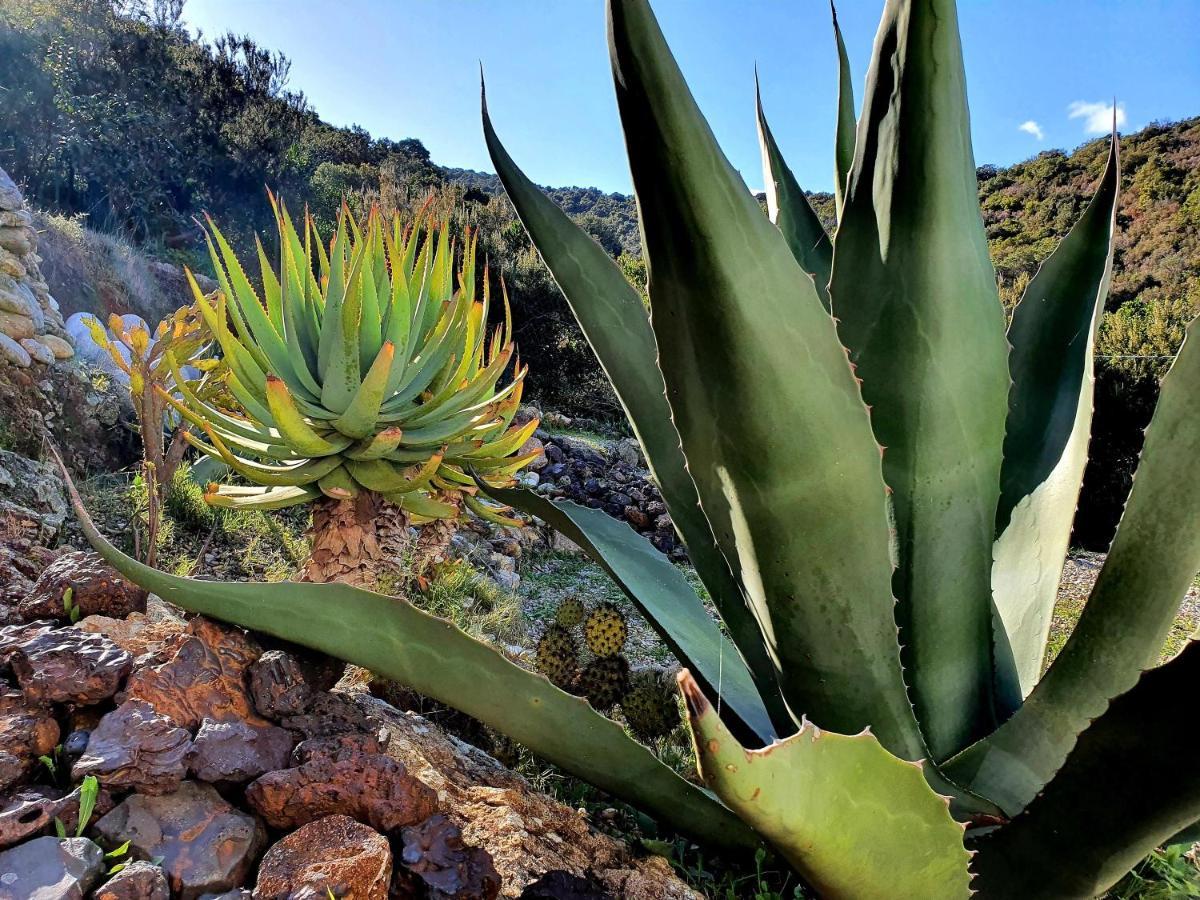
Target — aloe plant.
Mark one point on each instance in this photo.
(364, 381)
(877, 493)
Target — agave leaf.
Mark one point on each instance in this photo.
(614, 320)
(789, 209)
(854, 820)
(915, 295)
(1128, 616)
(394, 639)
(843, 156)
(771, 421)
(662, 594)
(1049, 421)
(1129, 784)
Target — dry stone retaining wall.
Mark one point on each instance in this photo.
(31, 326)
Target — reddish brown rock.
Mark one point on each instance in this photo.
(330, 714)
(434, 850)
(140, 632)
(341, 776)
(277, 685)
(25, 812)
(202, 675)
(526, 832)
(205, 844)
(139, 880)
(135, 748)
(26, 732)
(236, 752)
(334, 854)
(13, 636)
(69, 666)
(97, 589)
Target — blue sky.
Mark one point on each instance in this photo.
(1041, 73)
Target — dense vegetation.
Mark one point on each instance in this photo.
(110, 110)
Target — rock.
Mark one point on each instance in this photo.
(341, 775)
(526, 832)
(17, 325)
(139, 880)
(10, 195)
(140, 633)
(435, 851)
(277, 685)
(35, 491)
(533, 445)
(60, 348)
(235, 752)
(335, 853)
(630, 452)
(67, 810)
(97, 589)
(26, 732)
(329, 714)
(38, 352)
(202, 675)
(69, 666)
(136, 748)
(560, 885)
(636, 517)
(205, 844)
(47, 868)
(16, 297)
(13, 353)
(26, 811)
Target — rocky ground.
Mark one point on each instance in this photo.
(225, 767)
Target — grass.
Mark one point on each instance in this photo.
(1073, 595)
(196, 539)
(1169, 874)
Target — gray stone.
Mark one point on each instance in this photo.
(38, 352)
(13, 353)
(10, 195)
(47, 868)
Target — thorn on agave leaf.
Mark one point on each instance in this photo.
(697, 703)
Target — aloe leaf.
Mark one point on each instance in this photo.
(662, 594)
(394, 639)
(789, 209)
(262, 497)
(1129, 784)
(843, 155)
(915, 295)
(1129, 613)
(852, 818)
(768, 411)
(1049, 422)
(614, 320)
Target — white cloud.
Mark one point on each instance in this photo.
(1097, 117)
(1032, 127)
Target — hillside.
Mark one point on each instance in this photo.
(112, 113)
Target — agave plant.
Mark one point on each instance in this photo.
(877, 492)
(366, 383)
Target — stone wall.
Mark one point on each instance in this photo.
(31, 327)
